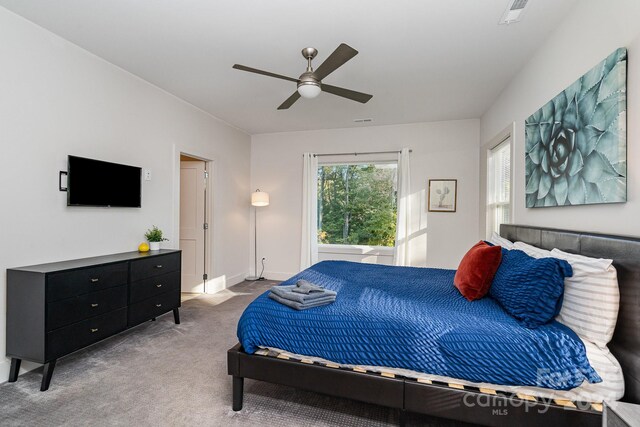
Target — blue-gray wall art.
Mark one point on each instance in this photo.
(576, 145)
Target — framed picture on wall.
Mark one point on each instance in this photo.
(442, 195)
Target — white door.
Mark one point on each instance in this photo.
(192, 229)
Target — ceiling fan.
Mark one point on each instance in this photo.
(310, 82)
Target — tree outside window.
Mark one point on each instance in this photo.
(357, 204)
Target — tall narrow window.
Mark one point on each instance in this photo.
(357, 204)
(499, 186)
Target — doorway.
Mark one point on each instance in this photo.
(194, 196)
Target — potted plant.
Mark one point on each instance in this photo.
(154, 237)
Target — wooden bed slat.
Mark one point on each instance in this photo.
(567, 403)
(526, 397)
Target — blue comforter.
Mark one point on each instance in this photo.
(414, 318)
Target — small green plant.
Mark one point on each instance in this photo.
(154, 235)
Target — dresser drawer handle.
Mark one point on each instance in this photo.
(158, 286)
(94, 305)
(95, 280)
(159, 266)
(158, 305)
(94, 330)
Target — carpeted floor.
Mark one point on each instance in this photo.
(162, 374)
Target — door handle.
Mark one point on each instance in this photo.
(95, 280)
(94, 330)
(159, 266)
(158, 286)
(94, 305)
(158, 305)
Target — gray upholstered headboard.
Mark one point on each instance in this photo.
(625, 252)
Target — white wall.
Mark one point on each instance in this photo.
(57, 99)
(593, 30)
(440, 150)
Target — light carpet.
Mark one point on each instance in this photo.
(162, 374)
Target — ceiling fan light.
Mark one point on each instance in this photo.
(309, 90)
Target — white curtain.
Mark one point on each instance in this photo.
(309, 247)
(401, 255)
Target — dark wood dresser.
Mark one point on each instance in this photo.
(55, 309)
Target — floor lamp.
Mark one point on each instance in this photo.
(258, 199)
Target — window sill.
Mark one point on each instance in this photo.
(355, 250)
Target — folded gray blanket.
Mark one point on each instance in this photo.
(287, 292)
(303, 306)
(305, 287)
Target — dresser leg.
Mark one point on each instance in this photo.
(47, 374)
(238, 388)
(15, 369)
(176, 316)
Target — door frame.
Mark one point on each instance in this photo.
(210, 195)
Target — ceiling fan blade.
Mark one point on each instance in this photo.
(264, 73)
(347, 93)
(290, 100)
(337, 59)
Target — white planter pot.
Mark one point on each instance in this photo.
(154, 246)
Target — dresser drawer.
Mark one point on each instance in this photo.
(154, 266)
(77, 282)
(157, 285)
(73, 337)
(71, 310)
(154, 306)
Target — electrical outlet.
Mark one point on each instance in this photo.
(147, 174)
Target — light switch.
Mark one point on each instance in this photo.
(147, 175)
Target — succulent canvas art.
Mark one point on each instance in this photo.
(576, 144)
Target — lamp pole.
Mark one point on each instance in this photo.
(255, 246)
(258, 198)
(255, 243)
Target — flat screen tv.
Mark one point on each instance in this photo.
(97, 183)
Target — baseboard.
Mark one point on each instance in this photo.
(238, 278)
(274, 275)
(5, 366)
(223, 282)
(4, 370)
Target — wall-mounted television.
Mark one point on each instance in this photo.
(97, 183)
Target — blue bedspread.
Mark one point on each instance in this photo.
(414, 318)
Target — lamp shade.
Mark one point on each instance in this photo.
(259, 198)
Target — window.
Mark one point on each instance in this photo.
(498, 186)
(357, 204)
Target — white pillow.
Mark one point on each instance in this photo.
(532, 251)
(591, 297)
(498, 240)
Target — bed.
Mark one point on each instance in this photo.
(457, 394)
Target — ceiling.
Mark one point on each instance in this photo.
(423, 60)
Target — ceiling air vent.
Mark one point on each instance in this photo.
(362, 120)
(514, 12)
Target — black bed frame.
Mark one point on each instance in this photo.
(469, 404)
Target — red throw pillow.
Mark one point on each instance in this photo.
(476, 270)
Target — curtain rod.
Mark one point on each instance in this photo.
(359, 154)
